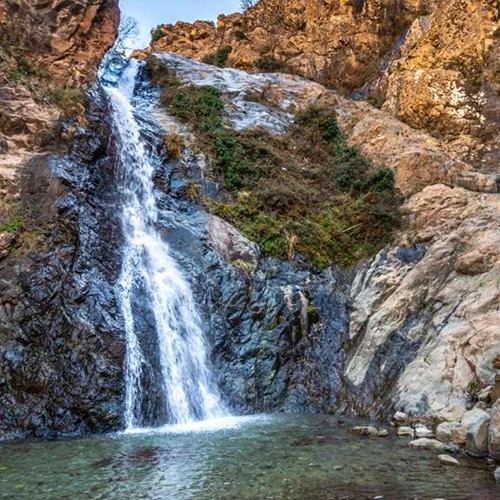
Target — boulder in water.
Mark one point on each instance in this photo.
(427, 444)
(405, 432)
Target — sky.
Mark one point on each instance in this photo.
(150, 13)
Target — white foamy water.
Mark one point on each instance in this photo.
(190, 392)
(210, 425)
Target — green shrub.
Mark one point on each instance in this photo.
(13, 224)
(221, 56)
(15, 75)
(26, 68)
(157, 33)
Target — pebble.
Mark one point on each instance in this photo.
(447, 460)
(423, 432)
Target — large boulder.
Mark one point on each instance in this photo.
(494, 432)
(448, 432)
(476, 440)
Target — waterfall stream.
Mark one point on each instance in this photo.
(189, 390)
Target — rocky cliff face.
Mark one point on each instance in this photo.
(48, 55)
(54, 376)
(66, 39)
(336, 41)
(432, 64)
(415, 328)
(61, 347)
(444, 78)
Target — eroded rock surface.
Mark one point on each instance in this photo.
(61, 343)
(338, 42)
(444, 78)
(67, 39)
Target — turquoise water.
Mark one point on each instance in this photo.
(279, 457)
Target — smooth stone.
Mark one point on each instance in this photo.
(422, 431)
(405, 432)
(365, 430)
(383, 433)
(472, 416)
(400, 417)
(497, 475)
(447, 460)
(427, 444)
(451, 414)
(458, 432)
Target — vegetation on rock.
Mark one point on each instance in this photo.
(70, 101)
(305, 192)
(221, 56)
(157, 33)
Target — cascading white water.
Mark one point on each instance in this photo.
(189, 390)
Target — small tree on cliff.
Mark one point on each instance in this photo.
(127, 33)
(248, 4)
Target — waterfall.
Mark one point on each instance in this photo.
(189, 391)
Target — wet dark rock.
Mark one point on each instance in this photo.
(61, 345)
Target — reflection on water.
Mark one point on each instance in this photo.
(279, 457)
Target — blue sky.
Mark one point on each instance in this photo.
(150, 13)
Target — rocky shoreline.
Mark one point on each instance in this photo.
(454, 430)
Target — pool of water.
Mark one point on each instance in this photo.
(271, 457)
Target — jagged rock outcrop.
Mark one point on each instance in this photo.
(444, 78)
(61, 343)
(45, 47)
(66, 39)
(338, 42)
(440, 311)
(433, 64)
(417, 159)
(61, 350)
